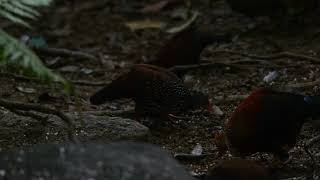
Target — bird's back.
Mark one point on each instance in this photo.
(184, 48)
(161, 92)
(267, 116)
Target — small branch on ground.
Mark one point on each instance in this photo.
(185, 68)
(89, 83)
(192, 157)
(18, 106)
(312, 141)
(29, 79)
(280, 55)
(304, 85)
(221, 99)
(121, 113)
(64, 53)
(42, 119)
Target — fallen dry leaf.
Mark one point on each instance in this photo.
(145, 24)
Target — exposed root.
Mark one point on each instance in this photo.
(18, 106)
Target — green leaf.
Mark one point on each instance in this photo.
(13, 18)
(20, 12)
(16, 10)
(16, 55)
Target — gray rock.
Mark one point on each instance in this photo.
(115, 161)
(19, 131)
(109, 128)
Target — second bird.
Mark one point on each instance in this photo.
(267, 121)
(186, 46)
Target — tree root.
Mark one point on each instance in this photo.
(20, 107)
(64, 53)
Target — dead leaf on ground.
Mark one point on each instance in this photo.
(145, 24)
(26, 90)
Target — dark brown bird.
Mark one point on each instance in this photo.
(155, 91)
(185, 47)
(267, 121)
(239, 169)
(271, 8)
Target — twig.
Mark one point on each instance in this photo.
(89, 83)
(312, 141)
(42, 119)
(28, 79)
(64, 52)
(11, 105)
(128, 112)
(249, 61)
(304, 85)
(184, 68)
(280, 55)
(220, 99)
(191, 157)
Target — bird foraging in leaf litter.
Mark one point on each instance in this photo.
(267, 121)
(155, 91)
(239, 169)
(186, 46)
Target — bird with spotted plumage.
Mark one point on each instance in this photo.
(156, 92)
(267, 121)
(186, 46)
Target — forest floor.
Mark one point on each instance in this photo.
(99, 28)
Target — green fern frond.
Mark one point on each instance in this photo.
(16, 10)
(16, 55)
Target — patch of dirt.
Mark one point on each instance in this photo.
(98, 28)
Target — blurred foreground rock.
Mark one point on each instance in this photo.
(122, 160)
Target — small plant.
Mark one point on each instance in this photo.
(14, 55)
